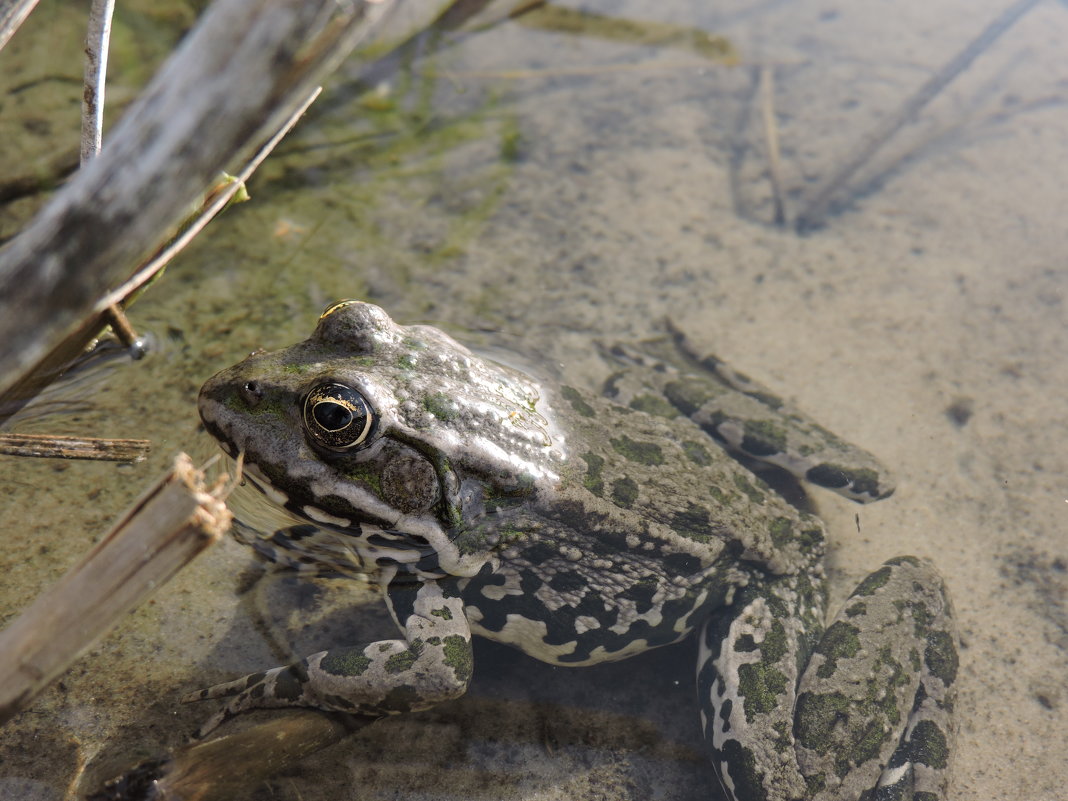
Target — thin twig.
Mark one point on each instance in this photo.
(52, 365)
(205, 107)
(12, 14)
(124, 331)
(169, 525)
(815, 210)
(771, 134)
(146, 273)
(97, 40)
(60, 447)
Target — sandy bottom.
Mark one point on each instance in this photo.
(588, 201)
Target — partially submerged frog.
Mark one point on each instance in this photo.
(583, 529)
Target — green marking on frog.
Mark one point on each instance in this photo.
(594, 479)
(693, 522)
(781, 530)
(762, 683)
(873, 582)
(855, 610)
(722, 497)
(441, 406)
(686, 396)
(572, 396)
(647, 453)
(367, 473)
(931, 745)
(582, 529)
(940, 656)
(748, 487)
(840, 640)
(625, 492)
(345, 662)
(402, 662)
(816, 716)
(653, 404)
(764, 437)
(457, 652)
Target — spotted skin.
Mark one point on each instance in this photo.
(584, 528)
(886, 663)
(431, 664)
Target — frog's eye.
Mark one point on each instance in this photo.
(337, 417)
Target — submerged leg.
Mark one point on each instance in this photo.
(745, 417)
(871, 716)
(875, 705)
(430, 665)
(750, 661)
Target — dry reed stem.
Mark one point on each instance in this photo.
(12, 14)
(239, 72)
(56, 361)
(97, 40)
(63, 447)
(169, 525)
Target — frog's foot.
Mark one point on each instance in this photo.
(388, 677)
(281, 686)
(310, 551)
(872, 711)
(745, 416)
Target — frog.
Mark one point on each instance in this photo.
(583, 527)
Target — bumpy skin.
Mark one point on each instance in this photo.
(581, 529)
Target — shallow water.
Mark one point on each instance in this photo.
(539, 191)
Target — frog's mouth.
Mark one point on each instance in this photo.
(408, 541)
(293, 541)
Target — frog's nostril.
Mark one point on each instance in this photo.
(252, 392)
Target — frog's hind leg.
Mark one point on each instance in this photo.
(875, 704)
(869, 716)
(747, 417)
(748, 669)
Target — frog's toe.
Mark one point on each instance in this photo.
(226, 689)
(281, 686)
(247, 699)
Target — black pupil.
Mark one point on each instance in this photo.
(337, 417)
(332, 416)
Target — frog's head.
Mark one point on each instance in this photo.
(369, 425)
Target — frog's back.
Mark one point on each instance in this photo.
(650, 528)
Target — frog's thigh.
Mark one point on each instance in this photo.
(874, 705)
(751, 654)
(432, 664)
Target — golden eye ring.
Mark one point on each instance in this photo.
(337, 417)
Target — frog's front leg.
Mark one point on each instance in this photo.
(430, 665)
(869, 716)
